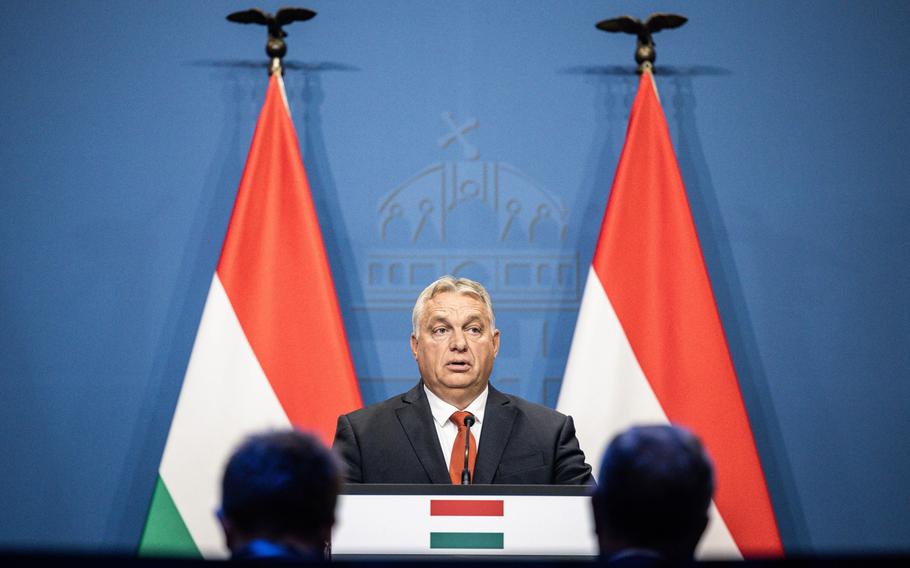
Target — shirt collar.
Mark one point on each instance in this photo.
(442, 410)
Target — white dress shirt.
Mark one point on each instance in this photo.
(446, 430)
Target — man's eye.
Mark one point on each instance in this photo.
(439, 331)
(474, 330)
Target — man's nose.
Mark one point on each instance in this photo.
(458, 341)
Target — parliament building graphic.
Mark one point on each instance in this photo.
(485, 220)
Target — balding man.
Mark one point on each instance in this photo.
(278, 497)
(422, 436)
(651, 503)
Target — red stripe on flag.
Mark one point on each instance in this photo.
(464, 508)
(274, 269)
(650, 264)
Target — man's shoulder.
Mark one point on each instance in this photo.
(533, 410)
(385, 407)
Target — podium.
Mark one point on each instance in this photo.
(478, 521)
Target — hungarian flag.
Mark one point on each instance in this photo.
(270, 351)
(649, 347)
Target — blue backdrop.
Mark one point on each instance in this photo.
(124, 127)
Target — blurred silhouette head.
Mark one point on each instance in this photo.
(653, 493)
(280, 487)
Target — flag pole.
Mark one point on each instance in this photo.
(275, 46)
(645, 54)
(649, 346)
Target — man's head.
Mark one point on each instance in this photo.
(280, 486)
(653, 492)
(454, 339)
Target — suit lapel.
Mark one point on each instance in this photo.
(417, 420)
(498, 418)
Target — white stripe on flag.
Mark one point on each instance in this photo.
(606, 391)
(604, 387)
(225, 397)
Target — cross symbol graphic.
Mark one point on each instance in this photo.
(457, 133)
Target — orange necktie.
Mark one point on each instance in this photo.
(456, 462)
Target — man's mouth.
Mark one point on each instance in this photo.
(458, 366)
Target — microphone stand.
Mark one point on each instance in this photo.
(466, 472)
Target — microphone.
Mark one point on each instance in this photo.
(466, 472)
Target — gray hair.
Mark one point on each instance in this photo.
(451, 284)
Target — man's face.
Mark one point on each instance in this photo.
(456, 347)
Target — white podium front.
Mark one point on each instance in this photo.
(548, 521)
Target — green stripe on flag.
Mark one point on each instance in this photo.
(465, 540)
(165, 534)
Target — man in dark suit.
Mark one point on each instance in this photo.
(651, 504)
(453, 415)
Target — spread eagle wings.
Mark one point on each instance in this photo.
(654, 23)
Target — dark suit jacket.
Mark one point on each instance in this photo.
(262, 550)
(522, 443)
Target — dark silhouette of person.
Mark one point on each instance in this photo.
(652, 498)
(278, 497)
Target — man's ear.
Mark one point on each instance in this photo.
(414, 346)
(228, 529)
(595, 510)
(326, 532)
(607, 542)
(697, 532)
(495, 343)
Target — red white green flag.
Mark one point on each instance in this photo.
(462, 538)
(649, 346)
(531, 525)
(270, 351)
